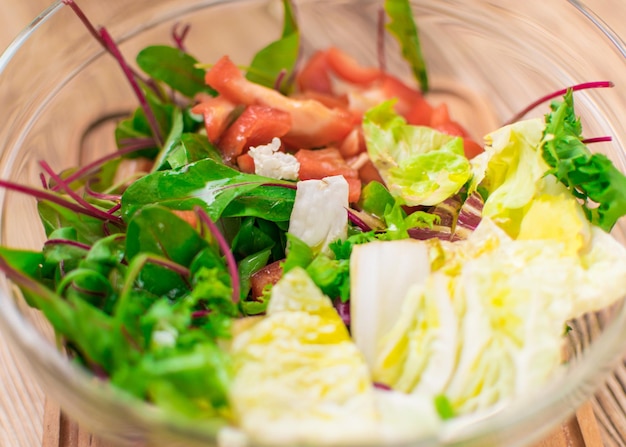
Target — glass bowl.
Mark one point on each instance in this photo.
(60, 94)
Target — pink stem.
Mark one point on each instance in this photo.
(225, 249)
(88, 206)
(597, 140)
(97, 163)
(114, 50)
(583, 86)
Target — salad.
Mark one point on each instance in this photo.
(306, 250)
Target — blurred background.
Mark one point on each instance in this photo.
(22, 402)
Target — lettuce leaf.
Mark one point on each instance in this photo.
(511, 171)
(420, 165)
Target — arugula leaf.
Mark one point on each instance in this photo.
(590, 177)
(175, 68)
(279, 56)
(404, 28)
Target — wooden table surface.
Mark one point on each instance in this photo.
(26, 420)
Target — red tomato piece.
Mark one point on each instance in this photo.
(353, 144)
(369, 173)
(255, 126)
(471, 148)
(315, 76)
(216, 112)
(392, 87)
(270, 274)
(331, 101)
(420, 113)
(312, 123)
(246, 163)
(320, 163)
(188, 216)
(347, 68)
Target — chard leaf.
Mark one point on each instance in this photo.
(206, 183)
(266, 202)
(299, 254)
(590, 177)
(175, 68)
(88, 229)
(375, 198)
(169, 146)
(250, 265)
(86, 326)
(106, 254)
(278, 57)
(27, 262)
(189, 148)
(404, 28)
(88, 286)
(137, 127)
(156, 230)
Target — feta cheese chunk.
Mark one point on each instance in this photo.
(320, 214)
(270, 162)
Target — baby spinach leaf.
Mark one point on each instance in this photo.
(175, 68)
(404, 28)
(279, 57)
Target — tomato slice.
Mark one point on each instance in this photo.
(441, 121)
(312, 123)
(353, 144)
(393, 87)
(315, 76)
(270, 274)
(216, 112)
(246, 163)
(320, 163)
(369, 173)
(471, 148)
(348, 69)
(255, 126)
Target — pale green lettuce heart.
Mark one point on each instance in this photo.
(419, 165)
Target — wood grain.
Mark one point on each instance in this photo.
(24, 423)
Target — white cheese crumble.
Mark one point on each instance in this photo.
(270, 162)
